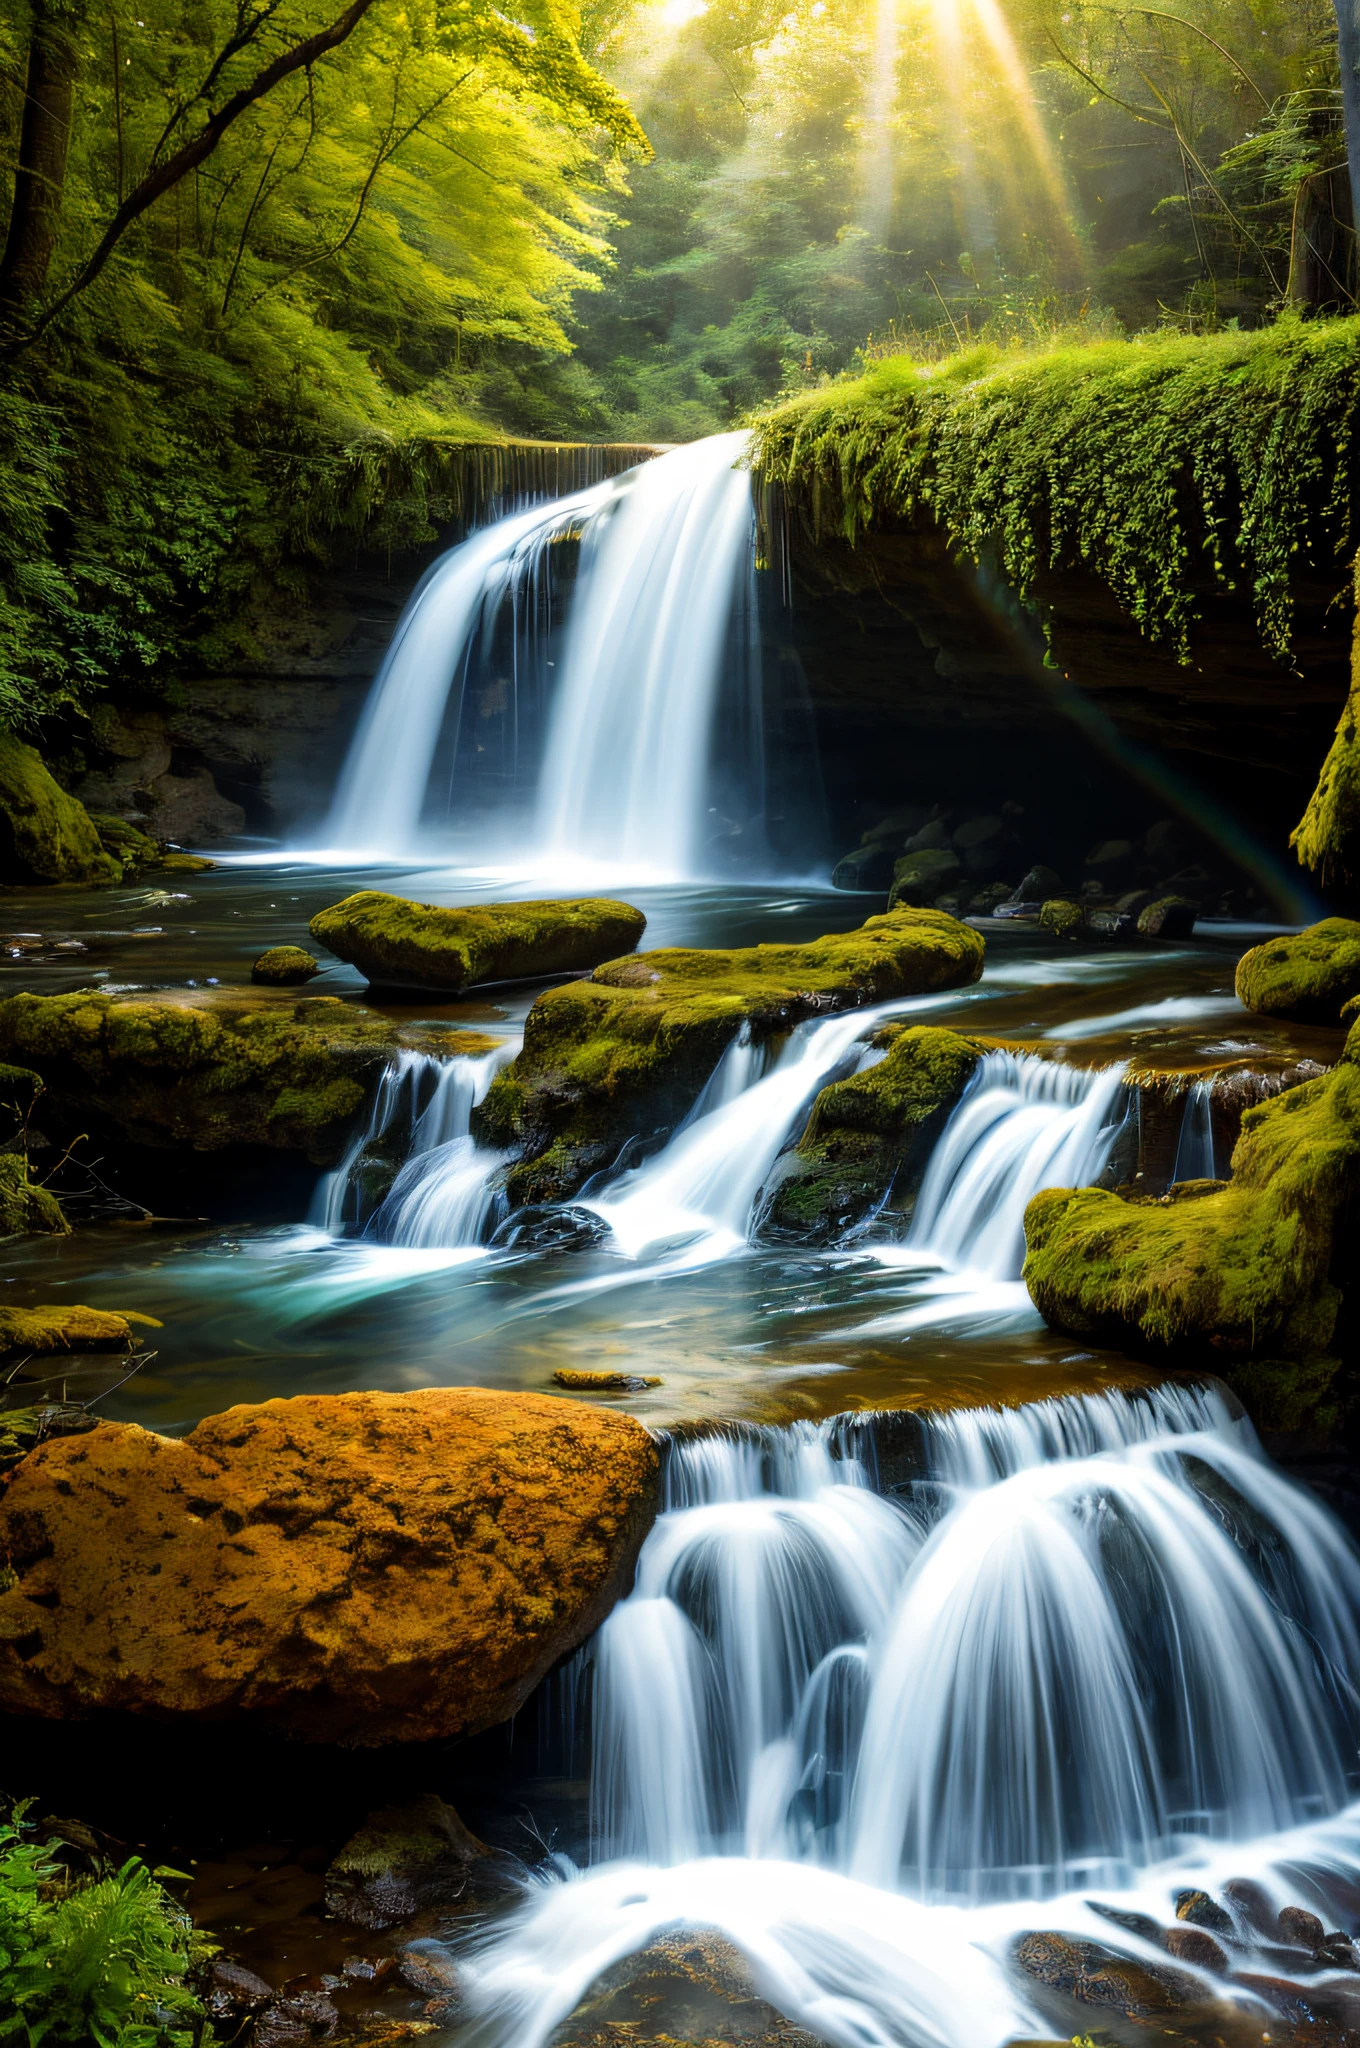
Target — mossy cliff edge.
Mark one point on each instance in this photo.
(625, 1054)
(868, 1138)
(280, 1073)
(1247, 1275)
(399, 944)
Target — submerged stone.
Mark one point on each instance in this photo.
(45, 835)
(868, 1138)
(1249, 1275)
(626, 1053)
(400, 944)
(1308, 976)
(234, 1070)
(361, 1568)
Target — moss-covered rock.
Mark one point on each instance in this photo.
(918, 878)
(1327, 837)
(399, 944)
(134, 850)
(1308, 976)
(232, 1071)
(1253, 1270)
(1168, 917)
(627, 1052)
(869, 1137)
(1064, 918)
(70, 1326)
(25, 1208)
(284, 966)
(404, 1860)
(45, 835)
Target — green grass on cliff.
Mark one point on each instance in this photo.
(1154, 463)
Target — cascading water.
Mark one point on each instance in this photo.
(624, 772)
(441, 1196)
(1097, 1643)
(1195, 1152)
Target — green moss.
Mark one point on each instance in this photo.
(1154, 463)
(26, 1209)
(396, 943)
(234, 1072)
(869, 1137)
(1252, 1270)
(133, 850)
(69, 1326)
(45, 835)
(919, 878)
(1327, 838)
(283, 965)
(626, 1053)
(1063, 918)
(1308, 975)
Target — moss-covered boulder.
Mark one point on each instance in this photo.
(918, 878)
(231, 1071)
(45, 835)
(627, 1052)
(1254, 1270)
(1064, 918)
(285, 966)
(1309, 976)
(868, 1138)
(362, 1568)
(399, 944)
(133, 849)
(25, 1208)
(70, 1326)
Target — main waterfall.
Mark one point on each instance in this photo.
(591, 747)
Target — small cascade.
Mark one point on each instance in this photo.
(421, 1112)
(1096, 1644)
(700, 1193)
(1195, 1153)
(614, 728)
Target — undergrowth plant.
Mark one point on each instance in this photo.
(104, 1958)
(1160, 463)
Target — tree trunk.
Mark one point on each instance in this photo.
(1348, 33)
(44, 139)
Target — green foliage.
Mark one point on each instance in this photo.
(100, 1960)
(1157, 463)
(286, 352)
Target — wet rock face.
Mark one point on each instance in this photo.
(625, 1054)
(403, 1861)
(688, 1986)
(360, 1568)
(45, 835)
(399, 944)
(233, 1071)
(1309, 976)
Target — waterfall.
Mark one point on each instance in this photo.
(624, 772)
(626, 767)
(441, 1196)
(1195, 1147)
(1095, 1644)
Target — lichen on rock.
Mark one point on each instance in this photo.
(399, 944)
(1308, 976)
(362, 1568)
(45, 835)
(1251, 1271)
(626, 1053)
(869, 1137)
(231, 1071)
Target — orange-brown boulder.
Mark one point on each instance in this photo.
(357, 1568)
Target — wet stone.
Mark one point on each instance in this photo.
(1301, 1929)
(1195, 1945)
(1201, 1911)
(233, 1989)
(297, 2016)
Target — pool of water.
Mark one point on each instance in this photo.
(257, 1302)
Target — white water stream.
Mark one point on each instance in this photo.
(1093, 1646)
(624, 774)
